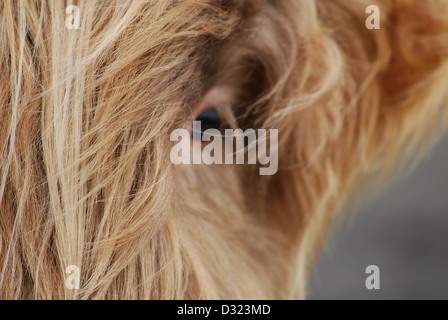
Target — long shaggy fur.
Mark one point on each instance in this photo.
(86, 115)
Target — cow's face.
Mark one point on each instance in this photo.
(91, 175)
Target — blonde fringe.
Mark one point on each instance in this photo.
(85, 118)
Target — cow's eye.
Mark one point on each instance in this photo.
(213, 113)
(207, 119)
(210, 119)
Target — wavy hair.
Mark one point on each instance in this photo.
(86, 115)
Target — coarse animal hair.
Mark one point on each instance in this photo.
(86, 115)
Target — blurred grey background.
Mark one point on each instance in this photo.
(404, 232)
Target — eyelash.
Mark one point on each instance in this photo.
(211, 118)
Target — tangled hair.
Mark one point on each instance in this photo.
(86, 116)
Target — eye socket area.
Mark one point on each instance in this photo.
(210, 119)
(214, 111)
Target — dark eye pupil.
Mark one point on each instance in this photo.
(209, 119)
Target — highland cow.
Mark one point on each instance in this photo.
(86, 115)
